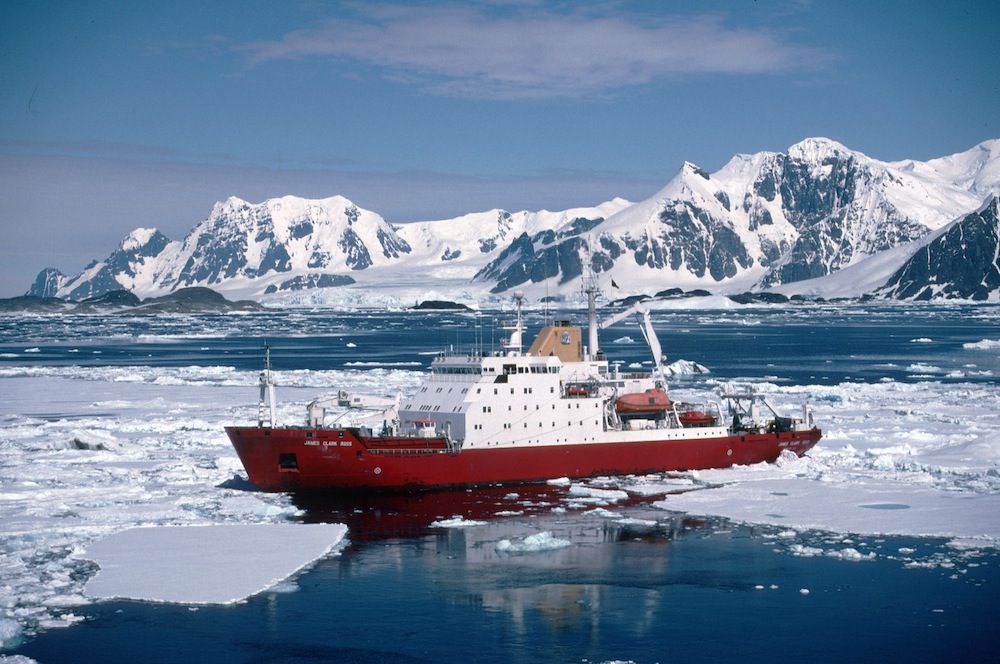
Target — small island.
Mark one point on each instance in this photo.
(196, 299)
(440, 305)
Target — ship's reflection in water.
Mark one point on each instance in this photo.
(615, 567)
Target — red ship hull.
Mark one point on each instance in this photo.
(291, 459)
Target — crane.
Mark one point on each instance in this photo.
(641, 310)
(357, 407)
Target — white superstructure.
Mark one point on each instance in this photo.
(557, 392)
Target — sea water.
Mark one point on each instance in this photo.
(113, 421)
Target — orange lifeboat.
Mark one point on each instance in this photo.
(651, 403)
(696, 418)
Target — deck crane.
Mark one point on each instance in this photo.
(356, 409)
(642, 311)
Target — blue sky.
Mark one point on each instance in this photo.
(117, 115)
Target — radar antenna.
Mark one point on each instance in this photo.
(513, 345)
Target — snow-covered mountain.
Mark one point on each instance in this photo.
(124, 268)
(961, 261)
(763, 221)
(242, 244)
(47, 283)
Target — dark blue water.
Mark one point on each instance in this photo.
(799, 345)
(682, 590)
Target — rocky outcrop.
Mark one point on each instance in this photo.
(961, 262)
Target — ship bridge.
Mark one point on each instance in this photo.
(549, 393)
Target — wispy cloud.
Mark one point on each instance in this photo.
(529, 52)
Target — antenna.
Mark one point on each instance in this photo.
(592, 291)
(545, 309)
(266, 389)
(513, 345)
(479, 336)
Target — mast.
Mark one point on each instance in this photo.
(593, 291)
(266, 390)
(513, 345)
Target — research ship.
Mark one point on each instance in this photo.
(558, 409)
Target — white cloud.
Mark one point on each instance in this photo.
(464, 51)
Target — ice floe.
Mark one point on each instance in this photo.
(985, 344)
(456, 521)
(685, 368)
(106, 456)
(587, 494)
(543, 541)
(896, 458)
(218, 564)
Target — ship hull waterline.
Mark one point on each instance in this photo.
(303, 459)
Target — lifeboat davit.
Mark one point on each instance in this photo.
(651, 403)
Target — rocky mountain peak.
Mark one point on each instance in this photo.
(141, 238)
(962, 261)
(47, 283)
(819, 150)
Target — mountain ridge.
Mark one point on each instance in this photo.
(767, 220)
